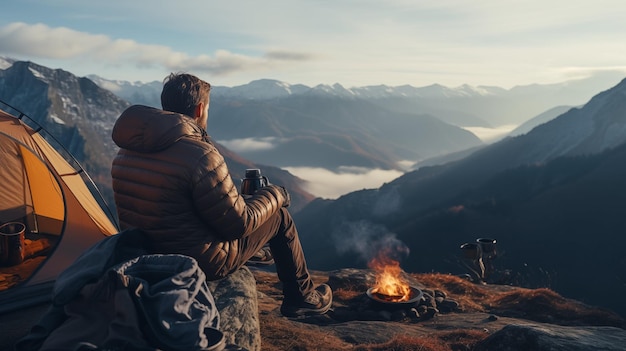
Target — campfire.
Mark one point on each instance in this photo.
(390, 287)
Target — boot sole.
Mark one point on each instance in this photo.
(303, 312)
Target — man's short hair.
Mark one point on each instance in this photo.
(182, 92)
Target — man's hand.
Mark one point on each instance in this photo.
(286, 196)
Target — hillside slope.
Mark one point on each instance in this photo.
(553, 202)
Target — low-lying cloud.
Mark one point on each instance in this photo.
(323, 182)
(491, 134)
(42, 41)
(329, 184)
(250, 144)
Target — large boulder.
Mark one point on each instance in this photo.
(236, 299)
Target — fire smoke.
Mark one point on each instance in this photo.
(368, 240)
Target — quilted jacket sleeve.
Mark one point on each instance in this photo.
(220, 205)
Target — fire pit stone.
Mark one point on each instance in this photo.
(364, 307)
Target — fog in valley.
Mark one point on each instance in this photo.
(331, 184)
(490, 135)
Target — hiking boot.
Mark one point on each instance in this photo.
(316, 302)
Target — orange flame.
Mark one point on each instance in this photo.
(389, 281)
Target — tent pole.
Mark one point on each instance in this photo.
(32, 226)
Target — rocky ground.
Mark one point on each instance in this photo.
(451, 314)
(454, 314)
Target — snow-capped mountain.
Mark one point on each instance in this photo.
(5, 62)
(135, 92)
(464, 106)
(72, 108)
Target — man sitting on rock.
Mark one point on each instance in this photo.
(171, 182)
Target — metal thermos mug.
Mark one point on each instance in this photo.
(253, 181)
(12, 243)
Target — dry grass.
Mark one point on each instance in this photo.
(463, 339)
(407, 343)
(543, 305)
(280, 334)
(458, 340)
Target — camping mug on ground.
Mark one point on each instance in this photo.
(253, 181)
(12, 243)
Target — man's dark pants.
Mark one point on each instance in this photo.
(282, 235)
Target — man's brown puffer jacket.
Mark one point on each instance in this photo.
(171, 182)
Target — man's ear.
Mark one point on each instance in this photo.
(198, 110)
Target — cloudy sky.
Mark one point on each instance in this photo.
(351, 42)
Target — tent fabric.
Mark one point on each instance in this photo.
(41, 189)
(77, 186)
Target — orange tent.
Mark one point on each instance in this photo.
(50, 195)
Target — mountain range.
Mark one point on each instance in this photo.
(80, 115)
(325, 127)
(552, 195)
(463, 106)
(332, 126)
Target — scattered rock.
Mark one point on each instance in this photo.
(430, 313)
(441, 294)
(429, 301)
(428, 292)
(448, 305)
(422, 310)
(550, 337)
